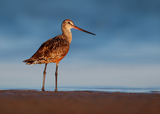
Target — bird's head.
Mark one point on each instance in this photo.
(68, 24)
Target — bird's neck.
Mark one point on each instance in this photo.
(67, 33)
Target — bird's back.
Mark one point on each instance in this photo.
(53, 50)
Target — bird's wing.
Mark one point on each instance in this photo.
(52, 50)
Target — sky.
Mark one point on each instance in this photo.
(125, 51)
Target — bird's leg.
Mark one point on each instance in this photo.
(44, 74)
(56, 74)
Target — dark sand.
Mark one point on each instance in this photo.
(77, 102)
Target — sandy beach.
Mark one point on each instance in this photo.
(77, 102)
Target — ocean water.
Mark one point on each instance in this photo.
(123, 56)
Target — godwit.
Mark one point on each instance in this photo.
(54, 49)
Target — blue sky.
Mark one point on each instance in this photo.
(127, 38)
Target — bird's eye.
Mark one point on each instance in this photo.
(69, 23)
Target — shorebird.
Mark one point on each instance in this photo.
(54, 49)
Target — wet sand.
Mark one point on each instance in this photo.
(77, 102)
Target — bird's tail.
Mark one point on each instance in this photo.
(29, 62)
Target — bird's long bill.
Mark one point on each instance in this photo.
(75, 27)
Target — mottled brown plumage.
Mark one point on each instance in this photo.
(54, 49)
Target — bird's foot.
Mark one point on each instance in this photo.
(42, 89)
(55, 90)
